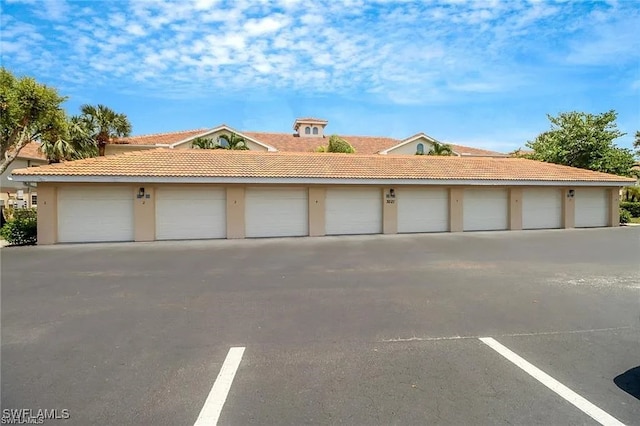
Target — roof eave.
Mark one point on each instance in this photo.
(311, 180)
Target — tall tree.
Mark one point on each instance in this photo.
(441, 149)
(103, 124)
(28, 111)
(636, 143)
(583, 140)
(73, 143)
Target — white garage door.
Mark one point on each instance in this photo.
(276, 212)
(591, 207)
(191, 213)
(485, 209)
(541, 208)
(95, 214)
(353, 211)
(423, 209)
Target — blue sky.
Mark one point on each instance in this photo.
(481, 73)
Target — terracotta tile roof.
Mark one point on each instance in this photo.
(32, 151)
(159, 138)
(289, 142)
(164, 162)
(468, 150)
(317, 120)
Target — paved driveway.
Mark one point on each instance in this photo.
(354, 330)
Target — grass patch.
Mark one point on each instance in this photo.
(635, 220)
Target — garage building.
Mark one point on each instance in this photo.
(168, 194)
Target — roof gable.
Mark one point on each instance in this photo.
(409, 140)
(222, 127)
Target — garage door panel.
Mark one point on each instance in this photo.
(353, 211)
(541, 208)
(486, 209)
(591, 208)
(423, 210)
(277, 212)
(190, 213)
(95, 214)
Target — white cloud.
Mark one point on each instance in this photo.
(270, 24)
(404, 52)
(54, 10)
(205, 4)
(135, 29)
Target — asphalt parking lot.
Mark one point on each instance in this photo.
(340, 330)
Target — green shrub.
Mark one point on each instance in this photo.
(632, 207)
(625, 216)
(337, 144)
(22, 228)
(631, 193)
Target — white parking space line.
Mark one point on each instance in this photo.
(218, 395)
(581, 403)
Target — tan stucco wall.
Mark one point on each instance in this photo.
(5, 182)
(47, 214)
(302, 126)
(389, 211)
(235, 212)
(317, 197)
(456, 204)
(9, 188)
(411, 148)
(568, 209)
(11, 194)
(614, 206)
(18, 163)
(144, 210)
(144, 214)
(515, 209)
(255, 147)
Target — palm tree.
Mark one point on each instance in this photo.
(67, 141)
(103, 124)
(204, 143)
(234, 142)
(442, 149)
(230, 141)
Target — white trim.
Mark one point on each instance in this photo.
(300, 122)
(312, 181)
(219, 128)
(409, 140)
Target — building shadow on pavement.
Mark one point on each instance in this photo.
(629, 381)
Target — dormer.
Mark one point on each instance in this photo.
(309, 127)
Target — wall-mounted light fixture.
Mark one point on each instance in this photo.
(571, 193)
(141, 192)
(392, 193)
